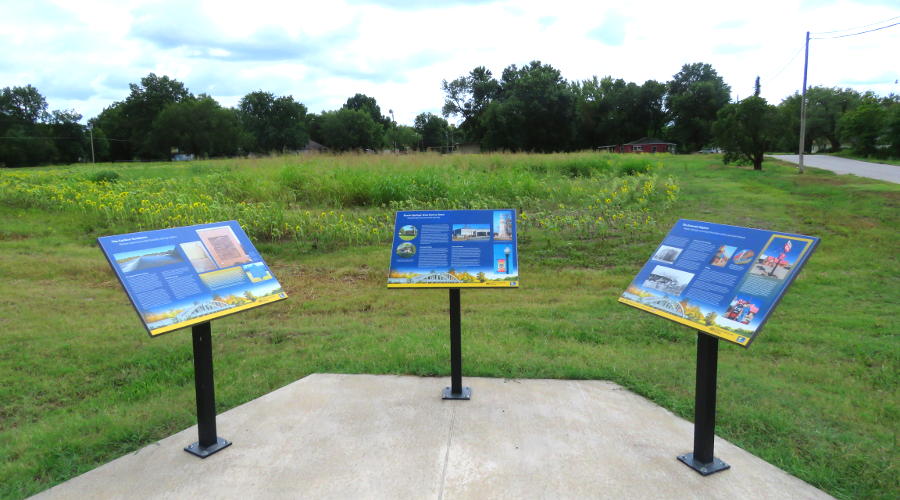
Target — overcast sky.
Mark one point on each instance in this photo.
(82, 54)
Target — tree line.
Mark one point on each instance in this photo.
(160, 118)
(534, 109)
(528, 108)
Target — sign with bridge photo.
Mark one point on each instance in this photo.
(454, 249)
(184, 276)
(722, 280)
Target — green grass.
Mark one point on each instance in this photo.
(327, 202)
(81, 383)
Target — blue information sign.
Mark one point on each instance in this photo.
(183, 276)
(722, 280)
(454, 249)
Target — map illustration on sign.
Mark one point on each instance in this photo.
(722, 280)
(183, 276)
(454, 249)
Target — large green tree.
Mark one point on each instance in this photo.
(746, 130)
(468, 97)
(433, 130)
(349, 129)
(128, 123)
(650, 110)
(824, 108)
(694, 97)
(862, 126)
(273, 123)
(23, 104)
(362, 102)
(401, 137)
(113, 123)
(611, 111)
(96, 139)
(198, 126)
(789, 116)
(26, 134)
(892, 128)
(72, 143)
(534, 111)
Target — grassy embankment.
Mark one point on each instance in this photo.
(81, 383)
(849, 154)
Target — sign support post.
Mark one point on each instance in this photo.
(454, 249)
(188, 276)
(702, 459)
(723, 281)
(208, 442)
(456, 389)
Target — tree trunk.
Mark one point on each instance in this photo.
(835, 144)
(757, 161)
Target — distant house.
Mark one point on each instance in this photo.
(313, 147)
(468, 148)
(642, 145)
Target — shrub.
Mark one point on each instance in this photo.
(109, 176)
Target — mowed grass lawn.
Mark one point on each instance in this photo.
(81, 383)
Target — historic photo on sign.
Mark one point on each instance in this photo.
(666, 279)
(667, 254)
(224, 246)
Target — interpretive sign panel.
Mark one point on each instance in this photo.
(188, 275)
(722, 280)
(454, 249)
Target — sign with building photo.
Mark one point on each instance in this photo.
(454, 249)
(183, 276)
(722, 280)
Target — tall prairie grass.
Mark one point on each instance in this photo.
(334, 201)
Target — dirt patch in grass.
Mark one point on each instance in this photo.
(13, 236)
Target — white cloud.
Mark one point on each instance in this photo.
(612, 30)
(83, 55)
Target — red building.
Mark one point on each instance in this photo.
(642, 145)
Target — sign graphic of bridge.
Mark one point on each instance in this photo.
(202, 310)
(436, 278)
(665, 304)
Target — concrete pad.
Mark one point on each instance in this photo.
(367, 436)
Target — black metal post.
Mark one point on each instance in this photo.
(702, 459)
(456, 389)
(208, 442)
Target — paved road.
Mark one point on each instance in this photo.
(890, 173)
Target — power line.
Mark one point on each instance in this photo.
(800, 49)
(34, 137)
(12, 137)
(805, 66)
(853, 34)
(855, 28)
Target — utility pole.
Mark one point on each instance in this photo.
(394, 135)
(803, 105)
(91, 129)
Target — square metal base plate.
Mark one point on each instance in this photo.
(448, 394)
(205, 451)
(704, 469)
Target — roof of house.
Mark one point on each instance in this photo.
(647, 140)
